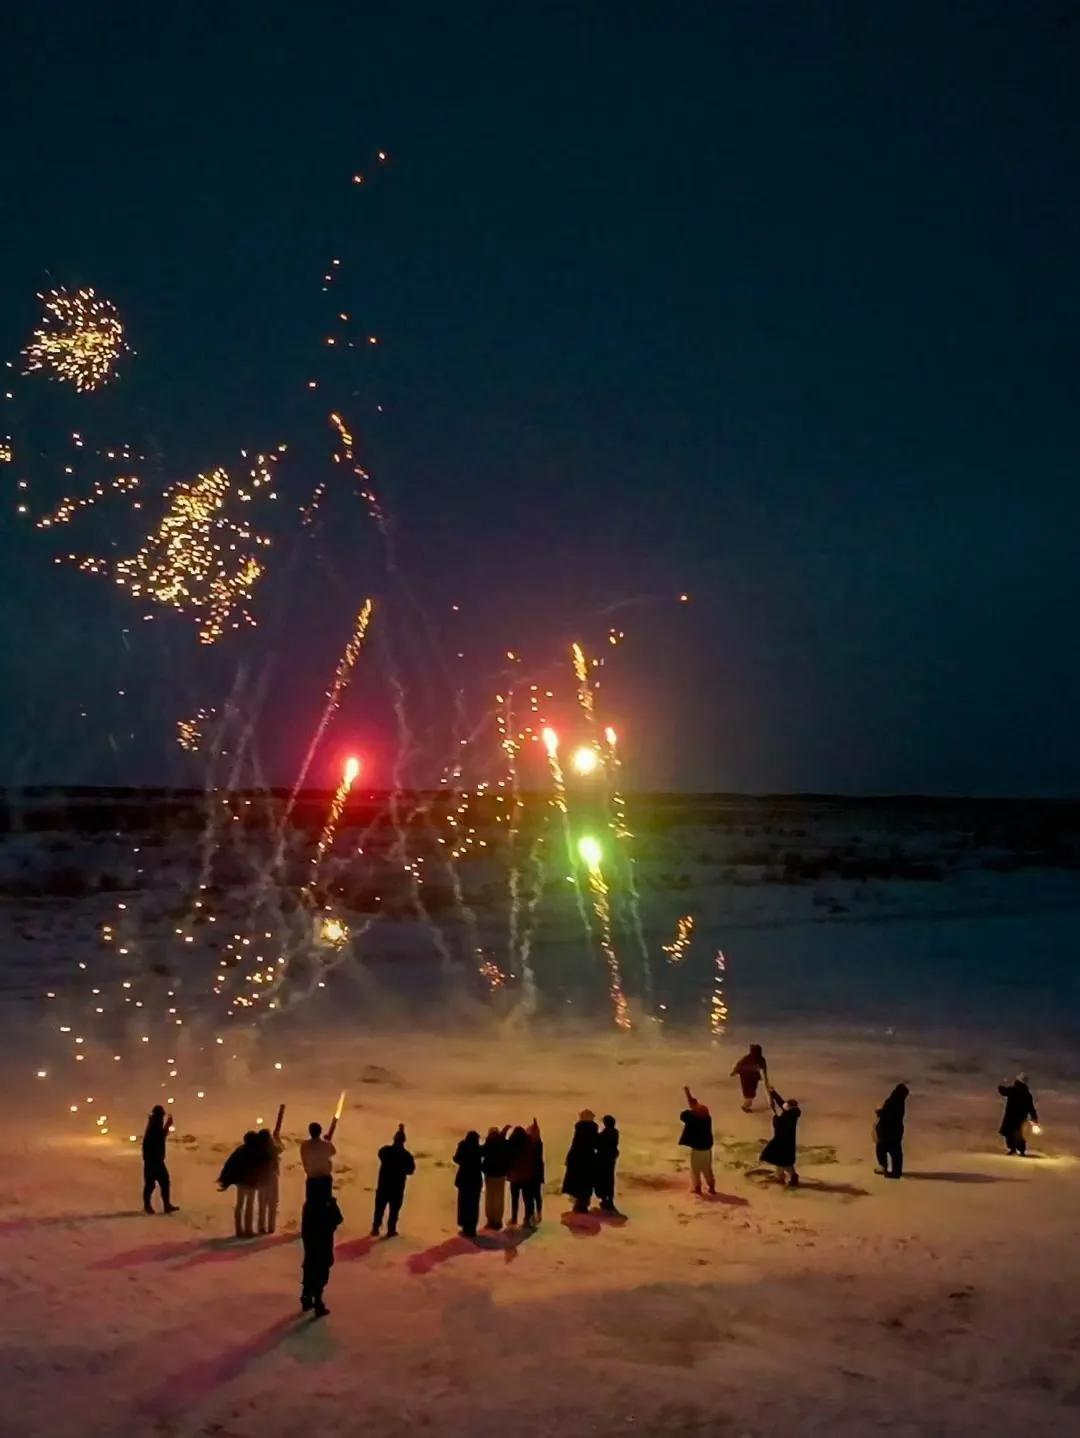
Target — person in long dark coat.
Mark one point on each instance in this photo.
(319, 1218)
(580, 1177)
(396, 1163)
(751, 1069)
(607, 1155)
(519, 1171)
(469, 1182)
(496, 1158)
(1019, 1108)
(534, 1188)
(780, 1151)
(269, 1192)
(245, 1169)
(155, 1172)
(889, 1133)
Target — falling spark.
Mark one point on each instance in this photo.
(79, 340)
(684, 929)
(718, 1010)
(70, 504)
(333, 817)
(189, 732)
(581, 674)
(592, 856)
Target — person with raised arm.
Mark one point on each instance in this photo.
(155, 1172)
(697, 1136)
(270, 1177)
(780, 1151)
(1019, 1111)
(317, 1154)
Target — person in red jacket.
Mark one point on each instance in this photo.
(751, 1069)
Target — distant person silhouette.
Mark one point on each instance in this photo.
(319, 1218)
(1019, 1108)
(317, 1154)
(396, 1163)
(697, 1136)
(155, 1172)
(245, 1169)
(889, 1132)
(526, 1173)
(469, 1182)
(270, 1181)
(580, 1177)
(607, 1156)
(496, 1160)
(751, 1069)
(780, 1151)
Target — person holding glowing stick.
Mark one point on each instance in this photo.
(1019, 1110)
(317, 1153)
(155, 1173)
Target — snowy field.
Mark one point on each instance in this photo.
(946, 1304)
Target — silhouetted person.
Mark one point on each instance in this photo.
(697, 1136)
(889, 1132)
(396, 1163)
(469, 1182)
(533, 1190)
(607, 1155)
(270, 1182)
(155, 1173)
(318, 1220)
(526, 1172)
(580, 1177)
(245, 1168)
(1019, 1108)
(780, 1151)
(751, 1069)
(496, 1159)
(520, 1168)
(317, 1154)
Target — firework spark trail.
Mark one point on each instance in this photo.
(623, 843)
(584, 688)
(528, 928)
(718, 1009)
(333, 818)
(79, 340)
(684, 929)
(510, 745)
(550, 741)
(69, 505)
(591, 854)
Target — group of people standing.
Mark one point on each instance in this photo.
(513, 1158)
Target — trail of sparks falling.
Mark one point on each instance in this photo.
(624, 842)
(189, 732)
(550, 741)
(718, 1009)
(333, 818)
(684, 929)
(79, 340)
(590, 853)
(581, 674)
(70, 504)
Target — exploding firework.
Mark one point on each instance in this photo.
(585, 760)
(71, 504)
(79, 340)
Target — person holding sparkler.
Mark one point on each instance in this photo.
(1019, 1109)
(317, 1153)
(780, 1151)
(697, 1136)
(270, 1183)
(155, 1173)
(396, 1164)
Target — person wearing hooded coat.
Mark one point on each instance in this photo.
(319, 1218)
(469, 1182)
(496, 1157)
(607, 1156)
(270, 1183)
(580, 1177)
(697, 1136)
(780, 1151)
(889, 1133)
(750, 1069)
(526, 1173)
(1019, 1108)
(245, 1168)
(155, 1172)
(396, 1164)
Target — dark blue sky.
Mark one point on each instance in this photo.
(774, 303)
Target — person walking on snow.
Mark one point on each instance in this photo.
(889, 1133)
(496, 1160)
(155, 1173)
(396, 1164)
(780, 1151)
(245, 1168)
(607, 1156)
(319, 1218)
(751, 1069)
(469, 1182)
(580, 1177)
(1019, 1109)
(697, 1136)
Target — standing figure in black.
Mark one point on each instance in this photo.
(607, 1155)
(580, 1177)
(889, 1132)
(155, 1174)
(496, 1167)
(534, 1188)
(245, 1168)
(469, 1182)
(318, 1220)
(270, 1182)
(780, 1151)
(1019, 1108)
(396, 1163)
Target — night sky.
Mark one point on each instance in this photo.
(775, 304)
